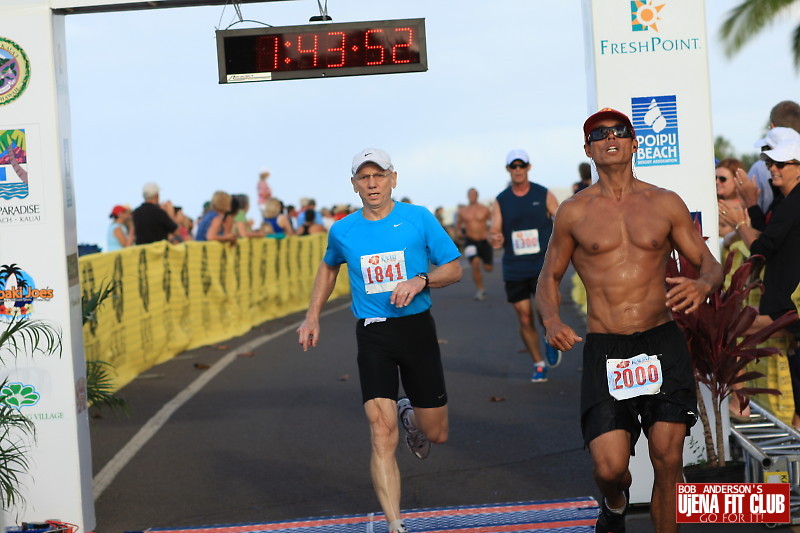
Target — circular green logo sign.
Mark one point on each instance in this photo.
(15, 71)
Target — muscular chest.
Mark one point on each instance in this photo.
(617, 230)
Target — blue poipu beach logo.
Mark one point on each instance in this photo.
(655, 119)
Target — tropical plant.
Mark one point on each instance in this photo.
(751, 17)
(99, 385)
(22, 336)
(16, 431)
(721, 348)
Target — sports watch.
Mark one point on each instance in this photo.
(423, 275)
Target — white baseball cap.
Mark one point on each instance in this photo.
(775, 136)
(372, 155)
(788, 150)
(150, 190)
(522, 155)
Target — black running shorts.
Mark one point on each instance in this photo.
(676, 402)
(408, 344)
(519, 290)
(481, 249)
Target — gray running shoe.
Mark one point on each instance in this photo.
(480, 295)
(416, 441)
(401, 529)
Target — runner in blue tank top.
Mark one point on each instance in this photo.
(388, 247)
(522, 221)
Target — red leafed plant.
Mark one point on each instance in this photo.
(719, 345)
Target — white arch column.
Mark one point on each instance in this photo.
(37, 233)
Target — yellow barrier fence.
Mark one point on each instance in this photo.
(171, 298)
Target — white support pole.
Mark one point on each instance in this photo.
(38, 234)
(649, 59)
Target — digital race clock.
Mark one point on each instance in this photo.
(321, 50)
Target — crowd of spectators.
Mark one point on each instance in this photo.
(224, 218)
(761, 209)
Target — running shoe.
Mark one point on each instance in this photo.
(416, 441)
(539, 374)
(401, 529)
(551, 355)
(609, 522)
(480, 295)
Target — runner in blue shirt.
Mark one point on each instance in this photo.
(388, 247)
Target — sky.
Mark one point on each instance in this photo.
(146, 104)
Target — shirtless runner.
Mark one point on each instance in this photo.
(619, 233)
(473, 224)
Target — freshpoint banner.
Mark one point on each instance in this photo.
(649, 59)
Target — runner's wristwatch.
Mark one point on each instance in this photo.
(423, 275)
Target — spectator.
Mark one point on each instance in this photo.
(276, 223)
(184, 223)
(310, 226)
(751, 188)
(120, 232)
(212, 227)
(726, 190)
(241, 226)
(153, 222)
(292, 215)
(264, 190)
(585, 173)
(785, 114)
(340, 211)
(327, 218)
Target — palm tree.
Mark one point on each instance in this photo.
(749, 18)
(21, 337)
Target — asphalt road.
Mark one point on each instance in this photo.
(280, 434)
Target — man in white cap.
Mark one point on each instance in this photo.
(618, 233)
(388, 246)
(522, 220)
(151, 221)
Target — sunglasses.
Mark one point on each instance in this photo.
(598, 134)
(780, 164)
(514, 166)
(722, 179)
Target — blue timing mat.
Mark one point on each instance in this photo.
(563, 516)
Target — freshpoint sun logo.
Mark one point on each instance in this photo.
(644, 15)
(655, 119)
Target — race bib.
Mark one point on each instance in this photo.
(637, 376)
(382, 272)
(525, 242)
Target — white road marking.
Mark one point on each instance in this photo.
(106, 476)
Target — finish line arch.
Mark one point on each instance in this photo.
(38, 118)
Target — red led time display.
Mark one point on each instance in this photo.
(321, 50)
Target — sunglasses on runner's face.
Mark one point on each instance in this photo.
(722, 179)
(780, 164)
(620, 132)
(514, 166)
